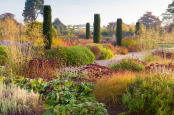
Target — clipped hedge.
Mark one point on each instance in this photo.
(106, 53)
(73, 56)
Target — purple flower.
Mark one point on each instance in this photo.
(139, 93)
(131, 86)
(131, 64)
(135, 67)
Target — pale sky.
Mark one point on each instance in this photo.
(75, 12)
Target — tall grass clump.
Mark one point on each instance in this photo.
(18, 51)
(109, 89)
(16, 101)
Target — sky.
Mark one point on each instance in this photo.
(74, 12)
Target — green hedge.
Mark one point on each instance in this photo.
(76, 55)
(106, 53)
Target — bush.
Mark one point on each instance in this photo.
(16, 101)
(96, 51)
(76, 55)
(34, 31)
(150, 94)
(120, 50)
(129, 64)
(109, 46)
(133, 49)
(113, 86)
(129, 42)
(106, 53)
(42, 68)
(3, 54)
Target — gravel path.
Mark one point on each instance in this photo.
(116, 58)
(120, 57)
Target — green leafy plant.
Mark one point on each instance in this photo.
(129, 64)
(150, 94)
(63, 96)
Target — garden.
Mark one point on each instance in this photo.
(45, 73)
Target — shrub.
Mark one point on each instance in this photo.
(119, 31)
(47, 27)
(109, 46)
(129, 42)
(3, 54)
(106, 53)
(109, 89)
(76, 55)
(150, 94)
(96, 51)
(42, 68)
(120, 50)
(96, 28)
(129, 64)
(133, 49)
(16, 101)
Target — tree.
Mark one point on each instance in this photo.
(87, 30)
(32, 9)
(168, 16)
(47, 26)
(137, 27)
(150, 20)
(119, 31)
(34, 30)
(96, 28)
(57, 23)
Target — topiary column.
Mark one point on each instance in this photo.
(137, 27)
(47, 26)
(87, 30)
(119, 31)
(96, 28)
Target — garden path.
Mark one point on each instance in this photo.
(116, 58)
